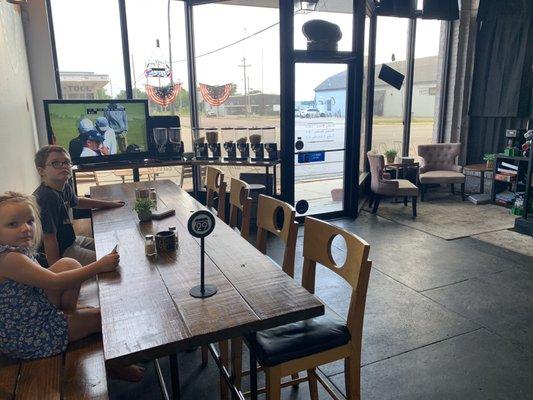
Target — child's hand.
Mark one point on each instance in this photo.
(109, 262)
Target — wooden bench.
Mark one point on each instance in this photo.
(79, 373)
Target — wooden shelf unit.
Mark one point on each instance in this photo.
(524, 168)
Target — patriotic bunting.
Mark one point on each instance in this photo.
(163, 95)
(215, 95)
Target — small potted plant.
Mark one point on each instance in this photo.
(489, 158)
(390, 154)
(143, 207)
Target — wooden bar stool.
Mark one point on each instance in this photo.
(240, 201)
(278, 218)
(186, 173)
(305, 345)
(216, 190)
(271, 213)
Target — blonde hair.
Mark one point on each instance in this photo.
(28, 200)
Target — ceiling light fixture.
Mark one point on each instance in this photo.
(305, 5)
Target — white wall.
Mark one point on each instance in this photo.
(18, 140)
(41, 62)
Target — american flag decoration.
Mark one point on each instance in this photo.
(215, 95)
(163, 95)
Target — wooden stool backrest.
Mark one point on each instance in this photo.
(318, 238)
(215, 185)
(240, 200)
(268, 210)
(186, 172)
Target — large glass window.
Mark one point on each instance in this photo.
(391, 49)
(158, 59)
(237, 70)
(89, 48)
(426, 84)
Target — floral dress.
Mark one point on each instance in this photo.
(30, 326)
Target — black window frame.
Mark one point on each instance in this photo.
(354, 59)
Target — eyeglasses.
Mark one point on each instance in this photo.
(60, 164)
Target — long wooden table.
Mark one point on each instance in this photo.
(146, 308)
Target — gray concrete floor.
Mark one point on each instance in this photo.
(443, 320)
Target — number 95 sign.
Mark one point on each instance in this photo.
(201, 224)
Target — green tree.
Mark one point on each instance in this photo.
(101, 94)
(137, 94)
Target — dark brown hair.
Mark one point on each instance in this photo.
(42, 155)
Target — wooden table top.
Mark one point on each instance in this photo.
(146, 308)
(154, 163)
(396, 165)
(145, 171)
(477, 167)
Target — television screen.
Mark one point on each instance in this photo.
(98, 131)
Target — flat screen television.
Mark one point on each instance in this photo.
(98, 131)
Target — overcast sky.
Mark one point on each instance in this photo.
(88, 39)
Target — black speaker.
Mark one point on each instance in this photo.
(447, 10)
(396, 8)
(391, 76)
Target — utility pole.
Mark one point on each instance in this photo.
(134, 76)
(243, 66)
(172, 108)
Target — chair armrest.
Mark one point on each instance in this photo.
(457, 168)
(423, 169)
(385, 176)
(388, 188)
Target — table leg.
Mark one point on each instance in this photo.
(73, 183)
(174, 376)
(267, 182)
(482, 183)
(195, 184)
(253, 376)
(274, 167)
(136, 177)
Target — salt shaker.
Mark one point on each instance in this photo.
(149, 245)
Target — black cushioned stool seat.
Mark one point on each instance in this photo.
(299, 339)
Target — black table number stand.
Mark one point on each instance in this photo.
(200, 225)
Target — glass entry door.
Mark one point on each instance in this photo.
(319, 137)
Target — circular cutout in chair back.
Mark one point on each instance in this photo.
(338, 250)
(279, 218)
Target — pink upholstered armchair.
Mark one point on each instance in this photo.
(439, 166)
(381, 185)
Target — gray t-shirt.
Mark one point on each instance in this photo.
(56, 214)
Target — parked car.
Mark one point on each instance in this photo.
(311, 113)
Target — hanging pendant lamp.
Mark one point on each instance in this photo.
(305, 5)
